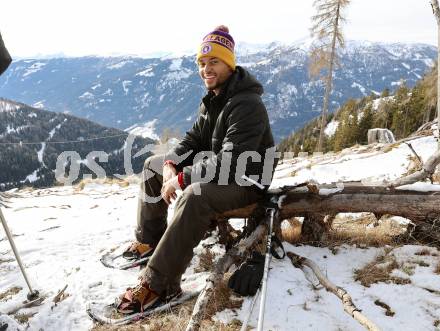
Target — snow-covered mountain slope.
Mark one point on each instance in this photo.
(62, 232)
(127, 92)
(32, 140)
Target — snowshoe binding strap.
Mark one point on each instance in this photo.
(136, 300)
(137, 250)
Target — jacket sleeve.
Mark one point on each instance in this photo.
(190, 145)
(5, 58)
(245, 124)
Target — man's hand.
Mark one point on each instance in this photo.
(169, 188)
(168, 172)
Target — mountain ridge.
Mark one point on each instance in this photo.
(123, 92)
(32, 143)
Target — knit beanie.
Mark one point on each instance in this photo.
(220, 44)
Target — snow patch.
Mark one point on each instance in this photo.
(146, 73)
(32, 177)
(6, 106)
(52, 132)
(146, 130)
(177, 72)
(360, 87)
(420, 187)
(330, 129)
(290, 89)
(125, 85)
(86, 96)
(39, 104)
(377, 102)
(244, 49)
(429, 62)
(40, 153)
(108, 92)
(179, 75)
(264, 62)
(10, 129)
(119, 64)
(35, 67)
(176, 64)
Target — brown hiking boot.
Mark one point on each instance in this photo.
(137, 300)
(137, 250)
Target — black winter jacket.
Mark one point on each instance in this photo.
(5, 58)
(229, 124)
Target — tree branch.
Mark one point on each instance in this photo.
(427, 171)
(217, 275)
(349, 307)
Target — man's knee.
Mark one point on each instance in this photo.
(188, 194)
(192, 197)
(192, 208)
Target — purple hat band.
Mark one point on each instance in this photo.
(222, 33)
(222, 38)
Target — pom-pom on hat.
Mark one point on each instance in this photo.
(220, 44)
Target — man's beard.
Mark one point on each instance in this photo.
(218, 85)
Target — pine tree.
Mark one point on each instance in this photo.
(429, 84)
(382, 117)
(385, 93)
(347, 132)
(365, 123)
(399, 111)
(327, 30)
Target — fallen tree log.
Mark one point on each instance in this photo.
(351, 198)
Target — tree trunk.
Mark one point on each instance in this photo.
(351, 198)
(328, 84)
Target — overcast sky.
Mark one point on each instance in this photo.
(140, 27)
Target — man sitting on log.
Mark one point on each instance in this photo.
(208, 164)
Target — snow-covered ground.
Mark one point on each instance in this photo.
(62, 232)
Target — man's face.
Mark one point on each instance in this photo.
(213, 72)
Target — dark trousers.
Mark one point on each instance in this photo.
(192, 217)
